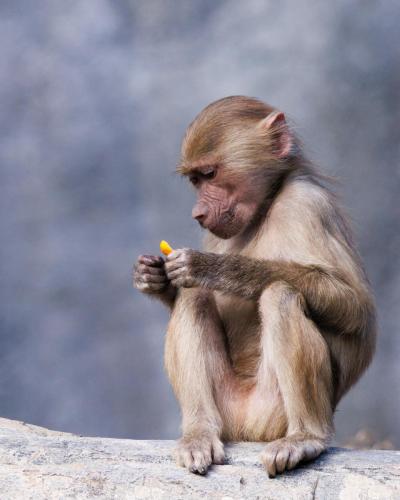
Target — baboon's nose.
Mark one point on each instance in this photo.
(199, 213)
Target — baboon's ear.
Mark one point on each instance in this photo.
(281, 138)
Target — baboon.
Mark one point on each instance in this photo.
(274, 321)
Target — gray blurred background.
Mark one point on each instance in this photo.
(95, 97)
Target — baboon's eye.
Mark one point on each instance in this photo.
(194, 179)
(209, 173)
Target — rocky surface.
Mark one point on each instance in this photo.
(42, 464)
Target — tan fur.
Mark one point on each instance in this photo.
(272, 362)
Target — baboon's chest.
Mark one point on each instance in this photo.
(241, 322)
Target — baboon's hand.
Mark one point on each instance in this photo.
(149, 275)
(186, 268)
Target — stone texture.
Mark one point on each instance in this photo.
(36, 463)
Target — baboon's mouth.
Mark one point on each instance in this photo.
(226, 227)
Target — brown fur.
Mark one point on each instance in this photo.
(275, 321)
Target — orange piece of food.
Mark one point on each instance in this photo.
(165, 247)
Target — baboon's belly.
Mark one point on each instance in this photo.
(241, 322)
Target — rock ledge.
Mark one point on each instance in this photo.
(37, 463)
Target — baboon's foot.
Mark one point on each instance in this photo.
(197, 452)
(285, 453)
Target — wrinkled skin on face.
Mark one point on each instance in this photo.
(226, 205)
